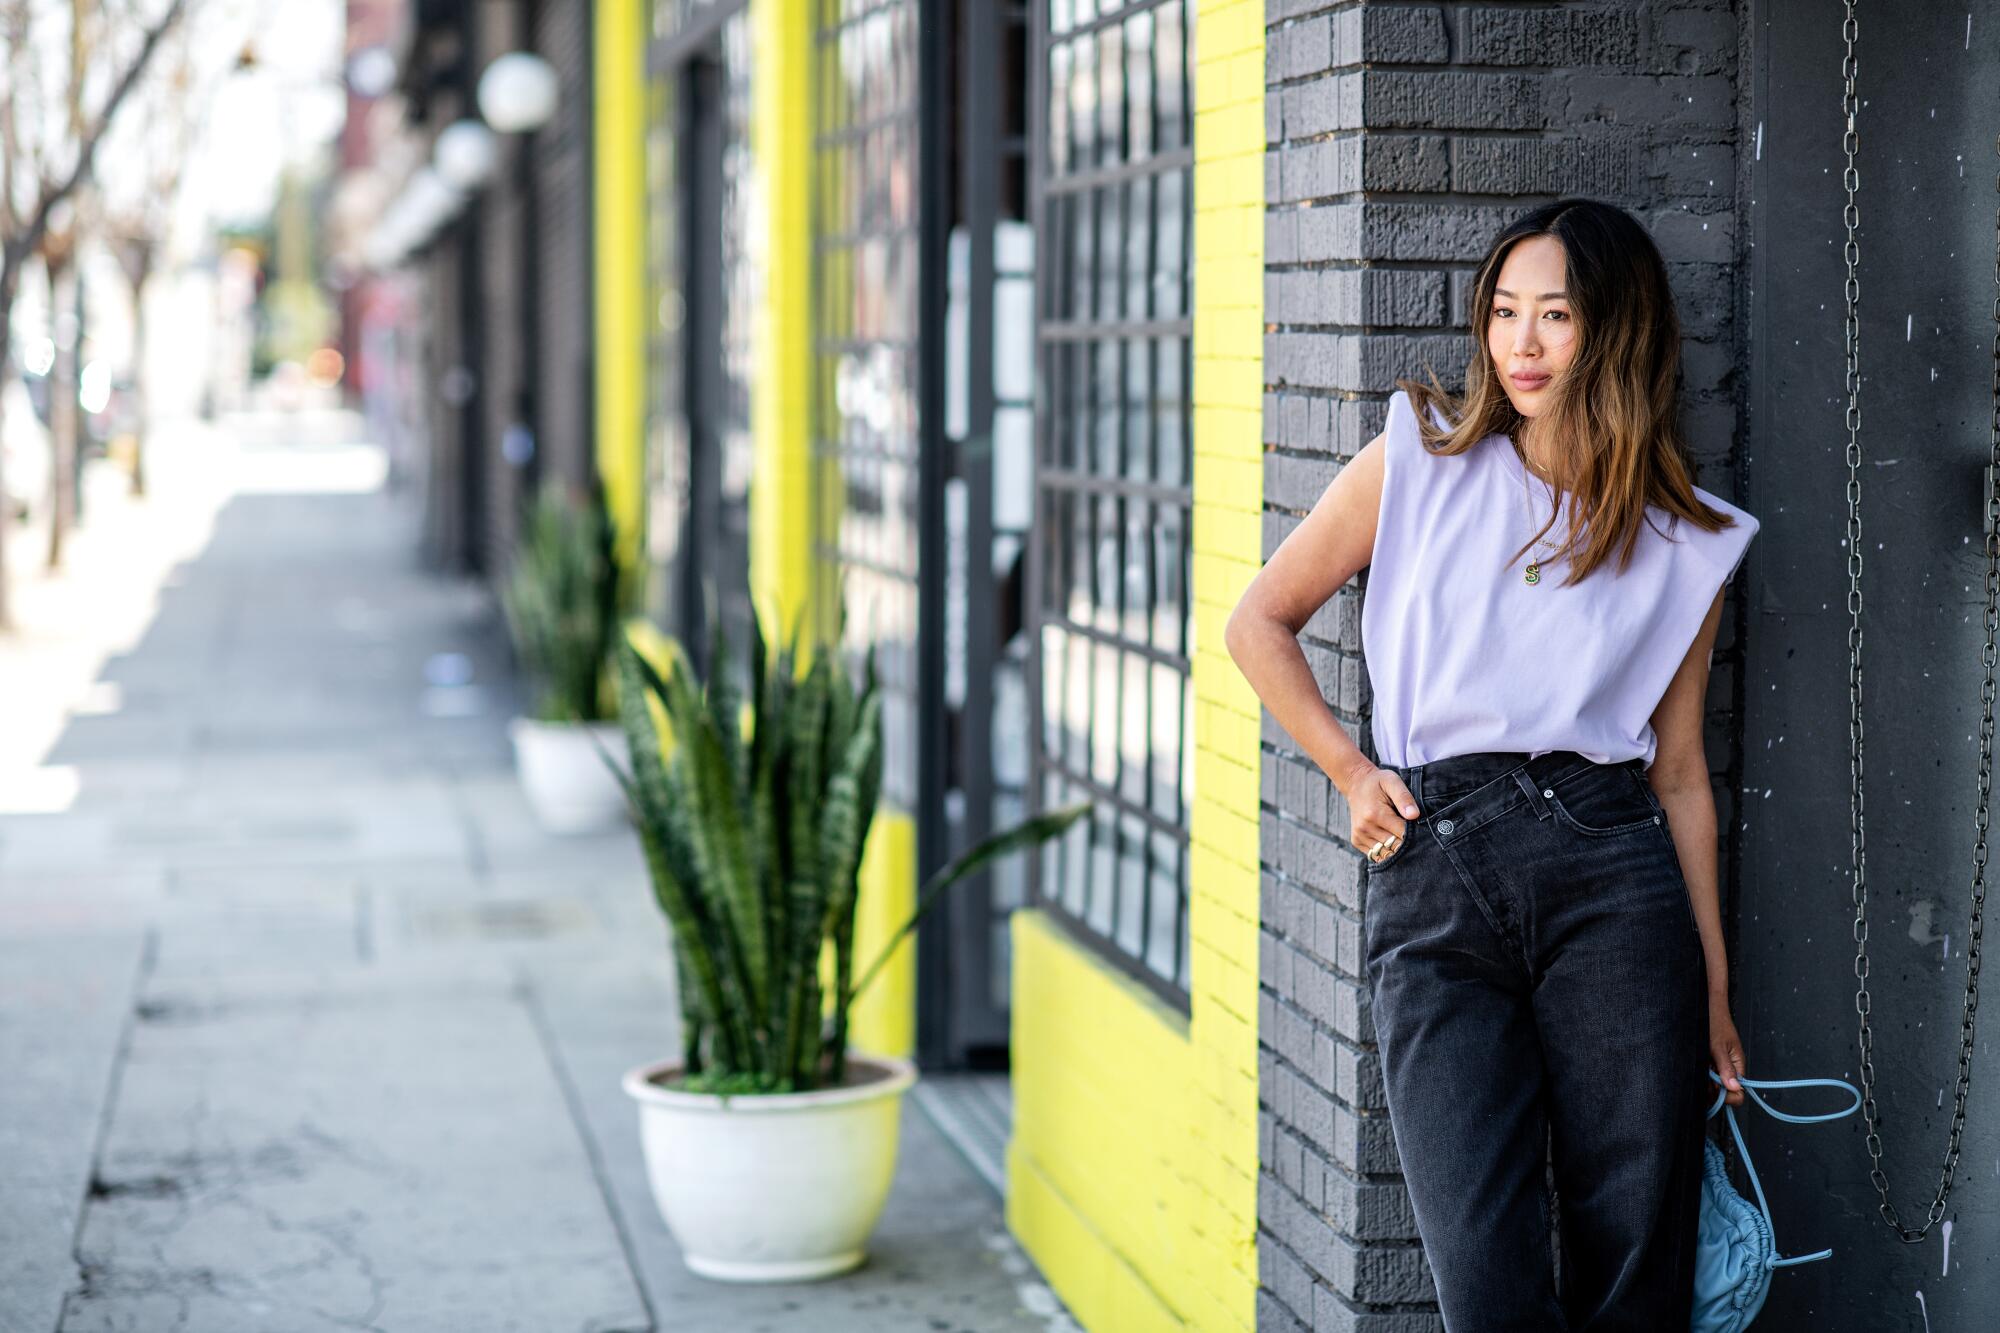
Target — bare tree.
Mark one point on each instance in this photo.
(138, 225)
(44, 157)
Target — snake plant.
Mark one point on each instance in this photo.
(753, 844)
(561, 597)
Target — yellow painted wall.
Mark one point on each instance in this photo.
(782, 484)
(618, 215)
(1132, 1174)
(1100, 1189)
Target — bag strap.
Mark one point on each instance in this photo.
(1750, 1085)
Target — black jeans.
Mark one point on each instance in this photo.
(1540, 996)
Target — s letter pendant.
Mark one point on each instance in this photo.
(1534, 574)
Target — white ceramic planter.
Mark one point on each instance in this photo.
(773, 1188)
(565, 779)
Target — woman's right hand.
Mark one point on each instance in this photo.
(1381, 806)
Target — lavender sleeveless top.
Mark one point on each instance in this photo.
(1463, 654)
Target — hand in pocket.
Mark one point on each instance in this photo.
(1382, 807)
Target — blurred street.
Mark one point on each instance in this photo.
(306, 1024)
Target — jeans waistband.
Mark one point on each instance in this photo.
(1441, 780)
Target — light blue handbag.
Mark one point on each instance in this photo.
(1736, 1249)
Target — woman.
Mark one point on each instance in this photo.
(1542, 937)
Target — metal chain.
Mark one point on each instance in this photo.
(1988, 656)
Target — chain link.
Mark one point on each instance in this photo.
(1988, 657)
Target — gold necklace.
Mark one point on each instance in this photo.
(1533, 574)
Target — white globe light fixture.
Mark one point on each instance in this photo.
(517, 93)
(371, 71)
(429, 200)
(465, 154)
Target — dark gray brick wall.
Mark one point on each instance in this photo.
(1400, 138)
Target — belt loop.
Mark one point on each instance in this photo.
(1536, 800)
(1413, 778)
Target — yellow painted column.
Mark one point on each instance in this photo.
(781, 130)
(884, 1019)
(1228, 549)
(618, 217)
(1132, 1173)
(783, 482)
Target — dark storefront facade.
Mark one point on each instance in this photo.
(506, 281)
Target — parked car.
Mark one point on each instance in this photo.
(28, 472)
(107, 410)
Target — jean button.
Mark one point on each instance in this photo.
(1444, 827)
(1548, 791)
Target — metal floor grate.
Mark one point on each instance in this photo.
(976, 1113)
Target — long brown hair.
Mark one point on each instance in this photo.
(1612, 427)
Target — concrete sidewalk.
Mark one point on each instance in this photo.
(306, 1025)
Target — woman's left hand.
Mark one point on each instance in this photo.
(1725, 1053)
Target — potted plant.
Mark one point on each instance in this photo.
(561, 598)
(770, 1144)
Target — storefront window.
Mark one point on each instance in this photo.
(705, 287)
(865, 447)
(1114, 166)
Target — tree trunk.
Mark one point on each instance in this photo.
(64, 425)
(142, 393)
(8, 278)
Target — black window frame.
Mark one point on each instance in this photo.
(1062, 491)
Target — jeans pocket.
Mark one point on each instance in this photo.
(1673, 853)
(1394, 854)
(1687, 898)
(1604, 800)
(1652, 797)
(1674, 862)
